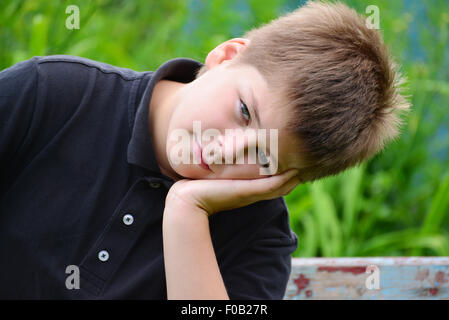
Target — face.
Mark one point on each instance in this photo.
(229, 99)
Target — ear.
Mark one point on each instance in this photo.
(226, 52)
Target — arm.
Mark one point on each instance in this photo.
(191, 268)
(190, 264)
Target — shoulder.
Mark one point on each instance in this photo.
(69, 78)
(67, 66)
(52, 93)
(69, 83)
(67, 63)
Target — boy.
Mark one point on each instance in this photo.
(89, 181)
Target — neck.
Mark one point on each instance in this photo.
(166, 95)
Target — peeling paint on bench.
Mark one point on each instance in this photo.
(346, 278)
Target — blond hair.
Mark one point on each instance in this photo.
(337, 79)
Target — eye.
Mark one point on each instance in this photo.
(263, 159)
(245, 112)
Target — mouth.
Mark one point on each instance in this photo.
(202, 163)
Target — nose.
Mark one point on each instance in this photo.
(229, 148)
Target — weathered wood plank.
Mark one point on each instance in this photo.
(355, 278)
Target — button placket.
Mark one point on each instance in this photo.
(119, 236)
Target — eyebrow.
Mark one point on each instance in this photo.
(255, 106)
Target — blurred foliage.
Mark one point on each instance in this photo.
(396, 204)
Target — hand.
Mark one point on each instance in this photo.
(191, 267)
(218, 195)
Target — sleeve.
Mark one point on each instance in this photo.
(18, 91)
(262, 270)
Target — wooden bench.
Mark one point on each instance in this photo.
(369, 278)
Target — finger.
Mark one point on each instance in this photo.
(271, 186)
(246, 191)
(275, 183)
(290, 185)
(284, 189)
(239, 193)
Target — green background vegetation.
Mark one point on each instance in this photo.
(396, 204)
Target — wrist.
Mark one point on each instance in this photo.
(178, 200)
(178, 209)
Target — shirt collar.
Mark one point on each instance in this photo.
(140, 147)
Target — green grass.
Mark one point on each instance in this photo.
(396, 204)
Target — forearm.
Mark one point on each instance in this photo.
(191, 268)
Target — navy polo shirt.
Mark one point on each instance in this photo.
(80, 186)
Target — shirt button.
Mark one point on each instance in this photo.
(103, 255)
(128, 219)
(155, 185)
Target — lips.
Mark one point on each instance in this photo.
(202, 164)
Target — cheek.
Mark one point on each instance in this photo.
(213, 106)
(182, 118)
